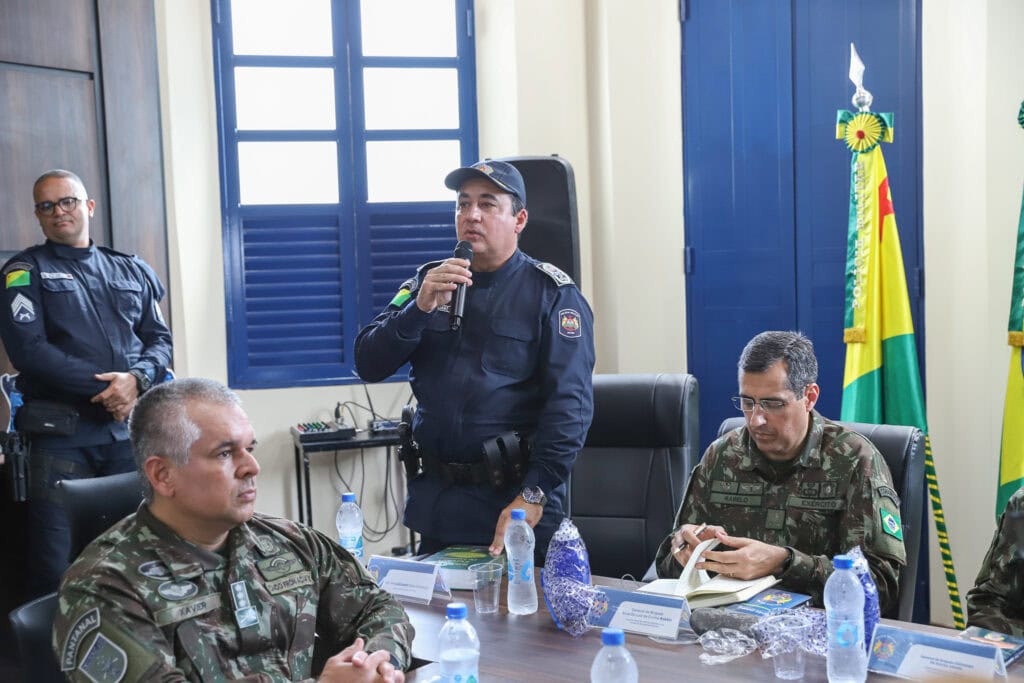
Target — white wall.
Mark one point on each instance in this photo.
(973, 168)
(599, 83)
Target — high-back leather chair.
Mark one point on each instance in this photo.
(903, 450)
(627, 481)
(32, 624)
(96, 504)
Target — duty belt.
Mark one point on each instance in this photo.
(503, 462)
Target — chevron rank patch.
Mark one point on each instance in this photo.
(17, 278)
(22, 309)
(891, 524)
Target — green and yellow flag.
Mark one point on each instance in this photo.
(1011, 454)
(882, 383)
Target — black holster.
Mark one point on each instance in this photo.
(408, 449)
(15, 447)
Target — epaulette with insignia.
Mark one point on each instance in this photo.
(555, 273)
(114, 252)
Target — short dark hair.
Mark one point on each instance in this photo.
(517, 205)
(160, 424)
(796, 350)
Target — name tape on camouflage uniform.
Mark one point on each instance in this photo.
(201, 605)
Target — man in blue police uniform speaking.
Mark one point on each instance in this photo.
(82, 325)
(505, 401)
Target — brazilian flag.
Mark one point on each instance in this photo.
(1011, 454)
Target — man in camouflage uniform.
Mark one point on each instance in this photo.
(790, 489)
(196, 586)
(997, 600)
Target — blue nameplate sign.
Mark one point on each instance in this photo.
(919, 655)
(405, 579)
(646, 613)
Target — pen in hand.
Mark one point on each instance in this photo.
(696, 532)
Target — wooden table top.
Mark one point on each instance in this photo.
(531, 648)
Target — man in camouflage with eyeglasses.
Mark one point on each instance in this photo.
(997, 600)
(82, 325)
(790, 489)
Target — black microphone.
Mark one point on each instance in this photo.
(462, 250)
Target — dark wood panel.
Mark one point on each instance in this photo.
(47, 120)
(131, 109)
(53, 33)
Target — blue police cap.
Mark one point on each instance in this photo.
(501, 173)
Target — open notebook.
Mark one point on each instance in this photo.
(700, 590)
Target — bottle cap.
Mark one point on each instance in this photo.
(348, 497)
(456, 610)
(518, 513)
(613, 636)
(842, 562)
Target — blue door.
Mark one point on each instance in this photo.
(767, 184)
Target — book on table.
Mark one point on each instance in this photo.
(1012, 647)
(701, 590)
(455, 561)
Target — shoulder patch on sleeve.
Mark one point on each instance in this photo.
(16, 265)
(555, 273)
(17, 278)
(104, 661)
(83, 626)
(891, 523)
(570, 324)
(404, 292)
(888, 492)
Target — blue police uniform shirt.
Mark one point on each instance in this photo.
(70, 313)
(523, 360)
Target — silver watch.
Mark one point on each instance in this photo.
(534, 495)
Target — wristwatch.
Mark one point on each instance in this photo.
(142, 380)
(533, 495)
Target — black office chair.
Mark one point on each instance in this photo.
(94, 505)
(903, 450)
(32, 624)
(626, 485)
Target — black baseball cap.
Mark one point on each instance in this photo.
(501, 173)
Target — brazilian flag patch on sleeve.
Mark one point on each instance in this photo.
(891, 524)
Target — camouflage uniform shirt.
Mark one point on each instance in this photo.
(835, 495)
(142, 604)
(997, 600)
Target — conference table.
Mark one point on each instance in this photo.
(531, 648)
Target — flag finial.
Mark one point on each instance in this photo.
(861, 98)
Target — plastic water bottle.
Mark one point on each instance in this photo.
(613, 663)
(350, 525)
(519, 544)
(844, 611)
(459, 647)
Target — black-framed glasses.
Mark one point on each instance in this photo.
(67, 204)
(768, 405)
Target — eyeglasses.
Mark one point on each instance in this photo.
(67, 204)
(768, 405)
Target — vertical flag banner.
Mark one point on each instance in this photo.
(881, 383)
(1011, 452)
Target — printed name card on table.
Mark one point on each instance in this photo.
(645, 613)
(917, 655)
(406, 579)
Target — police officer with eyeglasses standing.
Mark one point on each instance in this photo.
(790, 489)
(82, 325)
